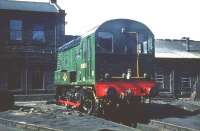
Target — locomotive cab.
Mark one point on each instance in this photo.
(125, 50)
(124, 59)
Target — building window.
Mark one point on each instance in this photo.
(186, 82)
(38, 33)
(159, 78)
(15, 30)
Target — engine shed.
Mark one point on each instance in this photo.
(177, 71)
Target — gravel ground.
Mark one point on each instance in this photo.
(178, 111)
(183, 103)
(4, 128)
(189, 101)
(186, 113)
(59, 117)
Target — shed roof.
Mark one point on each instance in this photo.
(177, 49)
(29, 6)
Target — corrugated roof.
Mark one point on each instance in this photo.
(28, 6)
(177, 49)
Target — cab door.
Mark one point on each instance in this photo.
(87, 58)
(131, 49)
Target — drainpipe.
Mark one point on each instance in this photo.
(26, 80)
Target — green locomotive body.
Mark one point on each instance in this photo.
(76, 64)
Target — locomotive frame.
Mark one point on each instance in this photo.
(108, 66)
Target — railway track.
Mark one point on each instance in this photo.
(153, 126)
(50, 117)
(170, 127)
(42, 117)
(25, 126)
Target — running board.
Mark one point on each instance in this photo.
(68, 103)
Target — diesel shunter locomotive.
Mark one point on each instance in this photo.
(110, 65)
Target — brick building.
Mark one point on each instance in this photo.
(30, 32)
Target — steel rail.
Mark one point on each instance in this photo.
(170, 126)
(25, 126)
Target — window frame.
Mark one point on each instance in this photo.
(106, 52)
(147, 45)
(150, 43)
(15, 29)
(33, 31)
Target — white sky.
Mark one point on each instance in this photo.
(171, 19)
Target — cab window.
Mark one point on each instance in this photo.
(145, 44)
(105, 42)
(150, 45)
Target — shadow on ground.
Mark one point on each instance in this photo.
(143, 113)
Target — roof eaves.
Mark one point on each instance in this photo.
(12, 5)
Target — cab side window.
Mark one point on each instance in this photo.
(105, 42)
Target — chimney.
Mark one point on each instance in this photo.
(187, 41)
(53, 1)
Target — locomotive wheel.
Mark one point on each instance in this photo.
(87, 102)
